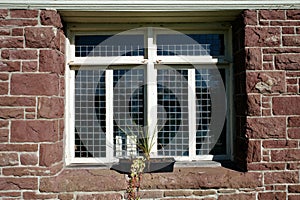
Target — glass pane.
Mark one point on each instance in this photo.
(128, 100)
(204, 140)
(172, 113)
(109, 45)
(190, 44)
(90, 114)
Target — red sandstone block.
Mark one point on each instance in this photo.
(9, 159)
(286, 105)
(8, 183)
(266, 166)
(268, 57)
(4, 77)
(291, 40)
(115, 196)
(281, 177)
(3, 13)
(51, 154)
(50, 107)
(253, 105)
(294, 197)
(253, 58)
(288, 30)
(34, 131)
(50, 17)
(291, 81)
(294, 133)
(33, 195)
(29, 159)
(287, 61)
(294, 188)
(243, 196)
(4, 31)
(20, 54)
(271, 195)
(285, 23)
(4, 135)
(11, 113)
(17, 32)
(66, 196)
(39, 37)
(17, 101)
(35, 84)
(250, 17)
(262, 36)
(293, 14)
(294, 121)
(285, 155)
(280, 144)
(10, 194)
(11, 42)
(18, 22)
(254, 151)
(3, 88)
(10, 66)
(272, 14)
(292, 89)
(281, 50)
(19, 147)
(51, 61)
(23, 13)
(268, 66)
(267, 127)
(29, 66)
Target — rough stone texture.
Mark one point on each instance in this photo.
(272, 14)
(37, 37)
(18, 183)
(237, 196)
(9, 66)
(11, 42)
(115, 196)
(262, 36)
(29, 159)
(287, 62)
(253, 58)
(254, 151)
(9, 159)
(23, 13)
(50, 108)
(31, 84)
(71, 180)
(34, 131)
(286, 105)
(271, 195)
(20, 54)
(285, 155)
(281, 177)
(50, 17)
(51, 61)
(253, 105)
(51, 154)
(33, 195)
(266, 82)
(17, 101)
(268, 127)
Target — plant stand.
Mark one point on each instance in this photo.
(154, 165)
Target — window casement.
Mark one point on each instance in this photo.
(169, 81)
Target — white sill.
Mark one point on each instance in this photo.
(202, 163)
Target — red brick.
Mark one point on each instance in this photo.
(294, 121)
(50, 17)
(9, 66)
(18, 22)
(3, 88)
(23, 13)
(265, 82)
(281, 177)
(51, 154)
(272, 14)
(8, 183)
(20, 54)
(19, 147)
(11, 113)
(11, 42)
(262, 37)
(34, 131)
(29, 159)
(51, 61)
(17, 101)
(293, 14)
(285, 155)
(279, 144)
(39, 37)
(29, 66)
(34, 84)
(294, 133)
(9, 159)
(271, 195)
(267, 127)
(286, 105)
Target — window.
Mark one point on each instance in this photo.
(166, 80)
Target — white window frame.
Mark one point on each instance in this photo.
(151, 60)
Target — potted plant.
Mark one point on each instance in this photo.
(145, 141)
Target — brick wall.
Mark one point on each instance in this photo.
(267, 104)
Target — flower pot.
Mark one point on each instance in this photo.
(154, 165)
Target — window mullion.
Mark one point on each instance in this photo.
(109, 114)
(151, 89)
(192, 112)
